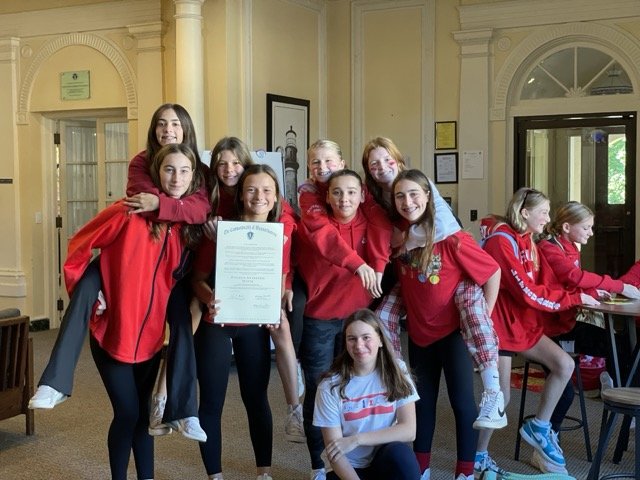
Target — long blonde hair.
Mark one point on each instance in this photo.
(571, 213)
(241, 152)
(524, 197)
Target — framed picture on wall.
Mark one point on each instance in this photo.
(446, 138)
(288, 133)
(446, 167)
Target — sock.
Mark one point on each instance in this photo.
(464, 468)
(541, 423)
(490, 378)
(424, 459)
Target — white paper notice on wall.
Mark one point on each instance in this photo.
(472, 164)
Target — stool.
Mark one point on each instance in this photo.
(576, 422)
(624, 400)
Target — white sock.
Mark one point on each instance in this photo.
(490, 378)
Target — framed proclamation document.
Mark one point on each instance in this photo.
(249, 272)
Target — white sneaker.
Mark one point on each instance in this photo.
(293, 427)
(264, 476)
(300, 381)
(46, 397)
(462, 476)
(492, 414)
(318, 474)
(545, 466)
(156, 427)
(426, 475)
(190, 428)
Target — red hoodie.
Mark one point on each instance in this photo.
(192, 209)
(333, 291)
(563, 258)
(315, 217)
(137, 274)
(524, 292)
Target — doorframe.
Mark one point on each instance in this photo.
(49, 122)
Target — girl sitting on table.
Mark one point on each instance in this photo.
(365, 407)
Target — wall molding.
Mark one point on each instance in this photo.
(519, 13)
(358, 9)
(84, 18)
(12, 284)
(107, 48)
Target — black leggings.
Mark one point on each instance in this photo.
(392, 461)
(129, 386)
(253, 361)
(448, 354)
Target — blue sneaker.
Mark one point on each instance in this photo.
(540, 439)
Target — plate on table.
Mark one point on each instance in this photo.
(616, 301)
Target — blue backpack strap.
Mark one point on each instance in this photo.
(512, 240)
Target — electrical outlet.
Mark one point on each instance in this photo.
(473, 215)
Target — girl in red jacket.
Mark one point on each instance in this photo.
(524, 295)
(140, 261)
(257, 200)
(334, 292)
(572, 226)
(169, 124)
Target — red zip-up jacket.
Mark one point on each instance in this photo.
(563, 258)
(632, 277)
(333, 291)
(192, 209)
(315, 217)
(523, 291)
(137, 274)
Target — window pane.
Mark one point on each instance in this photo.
(616, 169)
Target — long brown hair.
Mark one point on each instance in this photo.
(188, 130)
(420, 256)
(255, 169)
(191, 234)
(241, 152)
(393, 379)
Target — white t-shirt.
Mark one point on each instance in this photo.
(365, 409)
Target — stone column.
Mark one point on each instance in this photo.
(149, 86)
(189, 63)
(13, 288)
(473, 125)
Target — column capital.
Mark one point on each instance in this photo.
(474, 42)
(188, 9)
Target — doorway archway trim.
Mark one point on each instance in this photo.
(100, 44)
(616, 42)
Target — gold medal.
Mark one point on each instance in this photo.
(434, 279)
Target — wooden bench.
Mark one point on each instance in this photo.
(16, 369)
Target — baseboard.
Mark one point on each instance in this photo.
(39, 325)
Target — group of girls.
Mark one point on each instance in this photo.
(361, 405)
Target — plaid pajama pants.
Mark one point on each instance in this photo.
(475, 323)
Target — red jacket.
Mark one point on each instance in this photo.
(137, 276)
(524, 292)
(333, 291)
(563, 258)
(315, 217)
(192, 209)
(632, 277)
